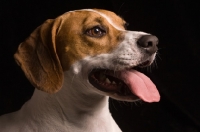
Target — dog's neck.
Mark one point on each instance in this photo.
(73, 103)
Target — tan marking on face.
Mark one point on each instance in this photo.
(73, 44)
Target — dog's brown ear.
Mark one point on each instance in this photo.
(38, 58)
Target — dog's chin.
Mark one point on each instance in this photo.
(109, 82)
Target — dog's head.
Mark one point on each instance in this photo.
(93, 45)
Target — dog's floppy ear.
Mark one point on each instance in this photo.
(38, 58)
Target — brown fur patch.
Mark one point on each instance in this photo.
(54, 46)
(73, 44)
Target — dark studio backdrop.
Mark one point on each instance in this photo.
(175, 22)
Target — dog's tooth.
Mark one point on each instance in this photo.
(113, 82)
(108, 81)
(102, 77)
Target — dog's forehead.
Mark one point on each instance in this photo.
(113, 19)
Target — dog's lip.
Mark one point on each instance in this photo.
(144, 64)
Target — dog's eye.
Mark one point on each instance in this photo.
(96, 32)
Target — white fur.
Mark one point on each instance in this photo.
(65, 111)
(78, 106)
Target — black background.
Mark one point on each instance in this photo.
(175, 22)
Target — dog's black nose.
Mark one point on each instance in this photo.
(149, 43)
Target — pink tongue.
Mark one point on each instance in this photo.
(141, 85)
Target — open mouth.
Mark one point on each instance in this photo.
(107, 81)
(125, 83)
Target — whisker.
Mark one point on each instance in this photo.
(150, 69)
(158, 55)
(155, 64)
(113, 104)
(120, 8)
(138, 102)
(120, 103)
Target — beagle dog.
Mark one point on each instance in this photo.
(76, 62)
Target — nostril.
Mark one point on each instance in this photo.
(148, 42)
(145, 44)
